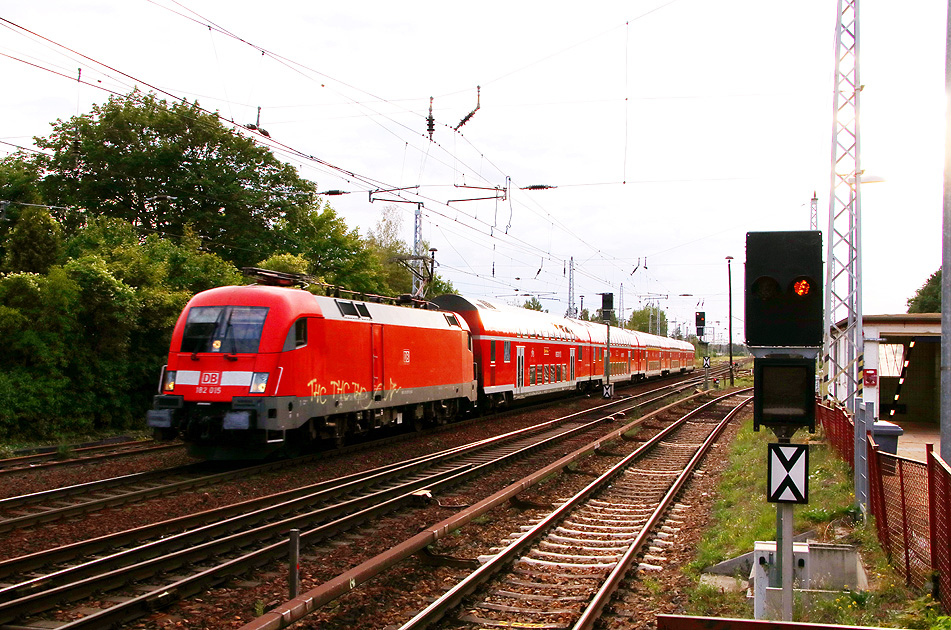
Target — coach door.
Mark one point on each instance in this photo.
(519, 369)
(571, 362)
(376, 351)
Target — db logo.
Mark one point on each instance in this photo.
(211, 378)
(405, 356)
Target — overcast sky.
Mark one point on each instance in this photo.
(667, 128)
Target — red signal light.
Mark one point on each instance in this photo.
(802, 287)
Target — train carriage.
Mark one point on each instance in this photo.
(519, 352)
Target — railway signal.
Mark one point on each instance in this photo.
(784, 288)
(701, 323)
(784, 332)
(784, 326)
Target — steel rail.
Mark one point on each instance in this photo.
(230, 518)
(306, 603)
(60, 494)
(368, 507)
(593, 611)
(38, 461)
(65, 553)
(454, 597)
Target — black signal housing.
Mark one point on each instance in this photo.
(783, 289)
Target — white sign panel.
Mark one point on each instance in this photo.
(788, 471)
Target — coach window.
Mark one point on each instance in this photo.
(508, 351)
(296, 336)
(531, 375)
(492, 351)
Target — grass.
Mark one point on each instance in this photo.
(741, 516)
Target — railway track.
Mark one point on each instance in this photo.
(561, 571)
(211, 547)
(53, 458)
(504, 504)
(144, 568)
(69, 502)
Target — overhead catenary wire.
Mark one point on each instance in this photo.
(364, 181)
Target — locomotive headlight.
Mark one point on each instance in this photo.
(168, 381)
(259, 382)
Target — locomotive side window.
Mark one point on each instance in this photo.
(492, 351)
(451, 320)
(508, 351)
(296, 336)
(347, 308)
(228, 329)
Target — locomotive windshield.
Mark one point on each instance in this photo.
(228, 329)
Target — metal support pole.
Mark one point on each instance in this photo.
(729, 282)
(788, 562)
(293, 575)
(945, 379)
(862, 426)
(608, 392)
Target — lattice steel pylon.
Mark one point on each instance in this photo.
(843, 340)
(572, 311)
(418, 263)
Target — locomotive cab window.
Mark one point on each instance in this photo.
(296, 336)
(227, 329)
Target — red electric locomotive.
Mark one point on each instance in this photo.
(255, 370)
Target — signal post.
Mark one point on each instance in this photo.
(783, 297)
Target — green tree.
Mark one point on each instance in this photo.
(387, 246)
(285, 263)
(438, 286)
(927, 299)
(335, 252)
(35, 244)
(19, 185)
(19, 181)
(163, 166)
(533, 304)
(645, 320)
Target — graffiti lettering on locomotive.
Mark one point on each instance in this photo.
(348, 391)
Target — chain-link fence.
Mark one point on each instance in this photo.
(911, 503)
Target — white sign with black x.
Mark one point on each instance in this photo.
(788, 471)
